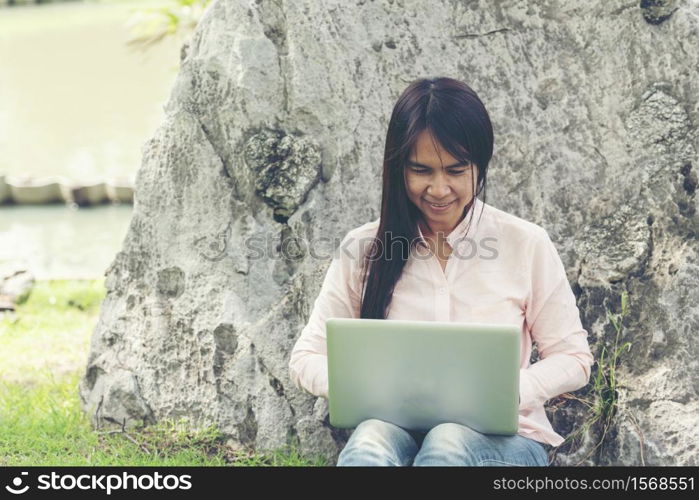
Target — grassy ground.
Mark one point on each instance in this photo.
(43, 352)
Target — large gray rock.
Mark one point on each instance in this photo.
(273, 137)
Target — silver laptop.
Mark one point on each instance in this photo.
(417, 374)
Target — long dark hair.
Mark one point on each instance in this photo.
(457, 118)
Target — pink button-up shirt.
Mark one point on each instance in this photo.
(502, 269)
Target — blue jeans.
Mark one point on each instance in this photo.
(376, 442)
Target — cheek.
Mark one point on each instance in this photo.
(414, 186)
(466, 188)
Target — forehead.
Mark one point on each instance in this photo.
(428, 150)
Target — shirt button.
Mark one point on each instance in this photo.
(442, 290)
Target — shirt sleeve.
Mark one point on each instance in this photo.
(338, 298)
(554, 322)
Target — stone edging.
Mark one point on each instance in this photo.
(28, 191)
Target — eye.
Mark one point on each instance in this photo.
(418, 170)
(462, 169)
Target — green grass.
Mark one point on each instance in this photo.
(43, 356)
(50, 332)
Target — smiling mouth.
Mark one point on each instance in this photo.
(438, 205)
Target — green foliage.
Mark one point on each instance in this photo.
(150, 25)
(603, 405)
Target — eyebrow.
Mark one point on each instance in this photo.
(416, 164)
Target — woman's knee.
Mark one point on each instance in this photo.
(372, 432)
(452, 429)
(456, 444)
(377, 442)
(449, 444)
(455, 435)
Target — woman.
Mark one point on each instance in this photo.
(445, 264)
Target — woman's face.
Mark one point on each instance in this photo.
(430, 179)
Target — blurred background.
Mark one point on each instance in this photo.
(82, 87)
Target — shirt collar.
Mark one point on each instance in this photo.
(459, 232)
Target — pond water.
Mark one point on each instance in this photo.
(75, 101)
(56, 241)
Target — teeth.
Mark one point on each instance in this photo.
(435, 205)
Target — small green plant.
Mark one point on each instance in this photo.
(603, 403)
(150, 25)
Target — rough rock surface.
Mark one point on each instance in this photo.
(273, 137)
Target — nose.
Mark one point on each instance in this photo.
(438, 188)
